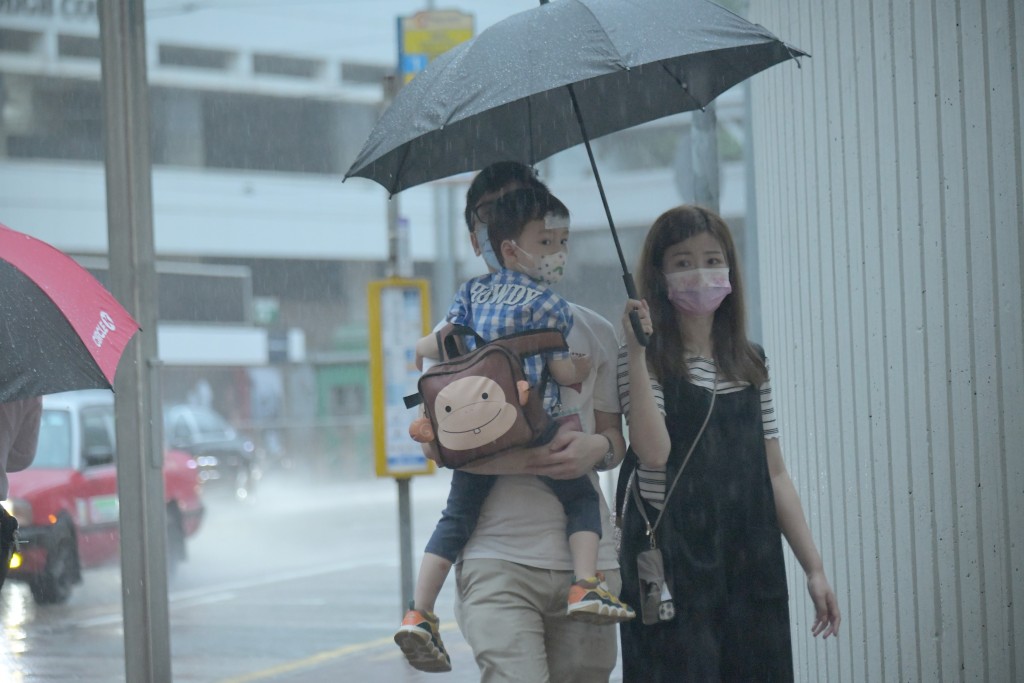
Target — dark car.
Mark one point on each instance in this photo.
(66, 503)
(227, 462)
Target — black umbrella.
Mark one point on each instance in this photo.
(559, 74)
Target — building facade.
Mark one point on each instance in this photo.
(263, 252)
(889, 188)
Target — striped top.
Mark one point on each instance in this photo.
(702, 374)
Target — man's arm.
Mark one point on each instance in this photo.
(23, 450)
(514, 461)
(569, 455)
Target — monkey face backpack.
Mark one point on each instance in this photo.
(478, 403)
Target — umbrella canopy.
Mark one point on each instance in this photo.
(503, 95)
(60, 329)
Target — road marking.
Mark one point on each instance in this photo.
(276, 578)
(225, 591)
(319, 658)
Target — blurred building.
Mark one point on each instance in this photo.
(263, 253)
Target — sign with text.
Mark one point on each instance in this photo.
(399, 316)
(425, 35)
(68, 9)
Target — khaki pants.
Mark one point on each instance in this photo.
(513, 617)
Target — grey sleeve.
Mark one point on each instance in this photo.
(23, 450)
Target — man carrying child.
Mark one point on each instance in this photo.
(528, 234)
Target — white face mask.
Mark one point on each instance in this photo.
(486, 250)
(699, 291)
(547, 269)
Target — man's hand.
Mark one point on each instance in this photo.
(569, 455)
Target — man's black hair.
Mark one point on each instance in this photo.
(495, 177)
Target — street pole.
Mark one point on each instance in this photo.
(400, 265)
(704, 133)
(443, 281)
(751, 257)
(133, 281)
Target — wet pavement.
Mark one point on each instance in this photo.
(322, 607)
(377, 660)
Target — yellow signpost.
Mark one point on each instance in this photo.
(399, 315)
(425, 35)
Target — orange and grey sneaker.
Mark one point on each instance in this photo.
(591, 601)
(420, 640)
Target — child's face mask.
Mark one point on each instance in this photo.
(698, 291)
(547, 269)
(548, 240)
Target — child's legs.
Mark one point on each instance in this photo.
(465, 499)
(433, 572)
(583, 547)
(583, 526)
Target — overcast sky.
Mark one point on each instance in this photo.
(356, 30)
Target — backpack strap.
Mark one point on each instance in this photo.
(534, 341)
(453, 340)
(452, 345)
(439, 339)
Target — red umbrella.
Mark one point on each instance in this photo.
(60, 329)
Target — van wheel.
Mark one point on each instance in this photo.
(53, 585)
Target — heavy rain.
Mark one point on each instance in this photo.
(281, 300)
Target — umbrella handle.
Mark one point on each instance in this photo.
(634, 317)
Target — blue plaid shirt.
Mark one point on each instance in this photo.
(506, 302)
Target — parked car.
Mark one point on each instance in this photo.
(66, 503)
(227, 462)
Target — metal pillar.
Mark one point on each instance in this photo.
(400, 265)
(704, 134)
(133, 282)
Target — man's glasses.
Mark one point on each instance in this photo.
(484, 211)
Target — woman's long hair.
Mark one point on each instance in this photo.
(736, 357)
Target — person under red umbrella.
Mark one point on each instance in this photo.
(19, 435)
(60, 329)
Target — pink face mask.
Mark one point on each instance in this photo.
(699, 291)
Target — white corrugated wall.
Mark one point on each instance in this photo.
(889, 212)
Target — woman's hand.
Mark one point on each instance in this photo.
(645, 322)
(826, 609)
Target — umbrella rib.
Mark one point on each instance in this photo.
(685, 88)
(606, 34)
(394, 189)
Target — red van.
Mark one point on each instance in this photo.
(66, 502)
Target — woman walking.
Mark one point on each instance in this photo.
(705, 494)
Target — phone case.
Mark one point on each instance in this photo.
(655, 599)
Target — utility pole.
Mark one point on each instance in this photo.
(133, 281)
(400, 266)
(704, 150)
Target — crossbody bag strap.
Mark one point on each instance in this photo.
(635, 484)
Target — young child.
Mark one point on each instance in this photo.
(529, 233)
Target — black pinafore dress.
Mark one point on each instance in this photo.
(722, 549)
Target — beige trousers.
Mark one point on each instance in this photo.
(513, 617)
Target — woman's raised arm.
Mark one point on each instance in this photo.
(648, 435)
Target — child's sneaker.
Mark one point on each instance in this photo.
(590, 600)
(420, 640)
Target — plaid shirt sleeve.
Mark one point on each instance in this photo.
(461, 313)
(551, 310)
